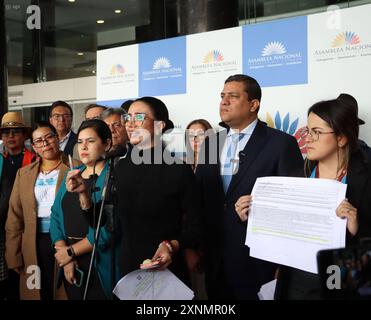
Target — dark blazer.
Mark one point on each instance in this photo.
(269, 152)
(70, 144)
(298, 284)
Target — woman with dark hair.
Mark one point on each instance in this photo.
(196, 132)
(28, 242)
(71, 233)
(157, 203)
(333, 153)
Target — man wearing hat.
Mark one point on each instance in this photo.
(13, 133)
(352, 102)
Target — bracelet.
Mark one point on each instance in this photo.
(168, 245)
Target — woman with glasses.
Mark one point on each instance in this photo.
(29, 249)
(196, 132)
(157, 203)
(71, 233)
(333, 152)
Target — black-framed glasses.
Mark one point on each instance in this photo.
(137, 119)
(12, 131)
(314, 134)
(57, 116)
(49, 138)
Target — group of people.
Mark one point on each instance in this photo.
(189, 216)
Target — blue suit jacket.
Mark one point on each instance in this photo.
(269, 152)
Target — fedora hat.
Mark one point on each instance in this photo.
(13, 120)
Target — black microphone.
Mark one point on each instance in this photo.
(119, 151)
(242, 156)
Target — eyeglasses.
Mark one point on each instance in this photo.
(57, 116)
(138, 119)
(8, 132)
(39, 142)
(314, 134)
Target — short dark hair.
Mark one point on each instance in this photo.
(112, 111)
(60, 103)
(93, 105)
(100, 127)
(43, 124)
(252, 86)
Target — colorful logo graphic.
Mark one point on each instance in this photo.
(290, 128)
(273, 48)
(117, 69)
(213, 56)
(161, 63)
(345, 38)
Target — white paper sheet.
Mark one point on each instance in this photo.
(291, 219)
(152, 285)
(267, 290)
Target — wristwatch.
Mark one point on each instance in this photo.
(71, 252)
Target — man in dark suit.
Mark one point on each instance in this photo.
(61, 118)
(226, 173)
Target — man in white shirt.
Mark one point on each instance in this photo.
(248, 149)
(60, 117)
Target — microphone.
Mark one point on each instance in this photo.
(119, 151)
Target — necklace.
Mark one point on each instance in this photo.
(45, 172)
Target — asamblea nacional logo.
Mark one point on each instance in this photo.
(162, 68)
(214, 61)
(274, 54)
(345, 45)
(117, 74)
(161, 63)
(273, 48)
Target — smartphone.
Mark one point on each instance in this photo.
(345, 273)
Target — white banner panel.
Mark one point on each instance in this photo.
(312, 58)
(339, 53)
(117, 73)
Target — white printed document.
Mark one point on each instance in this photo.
(291, 219)
(152, 285)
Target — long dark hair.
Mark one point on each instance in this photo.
(343, 121)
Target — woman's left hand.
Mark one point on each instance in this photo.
(62, 256)
(163, 255)
(346, 210)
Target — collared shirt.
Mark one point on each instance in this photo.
(241, 144)
(63, 142)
